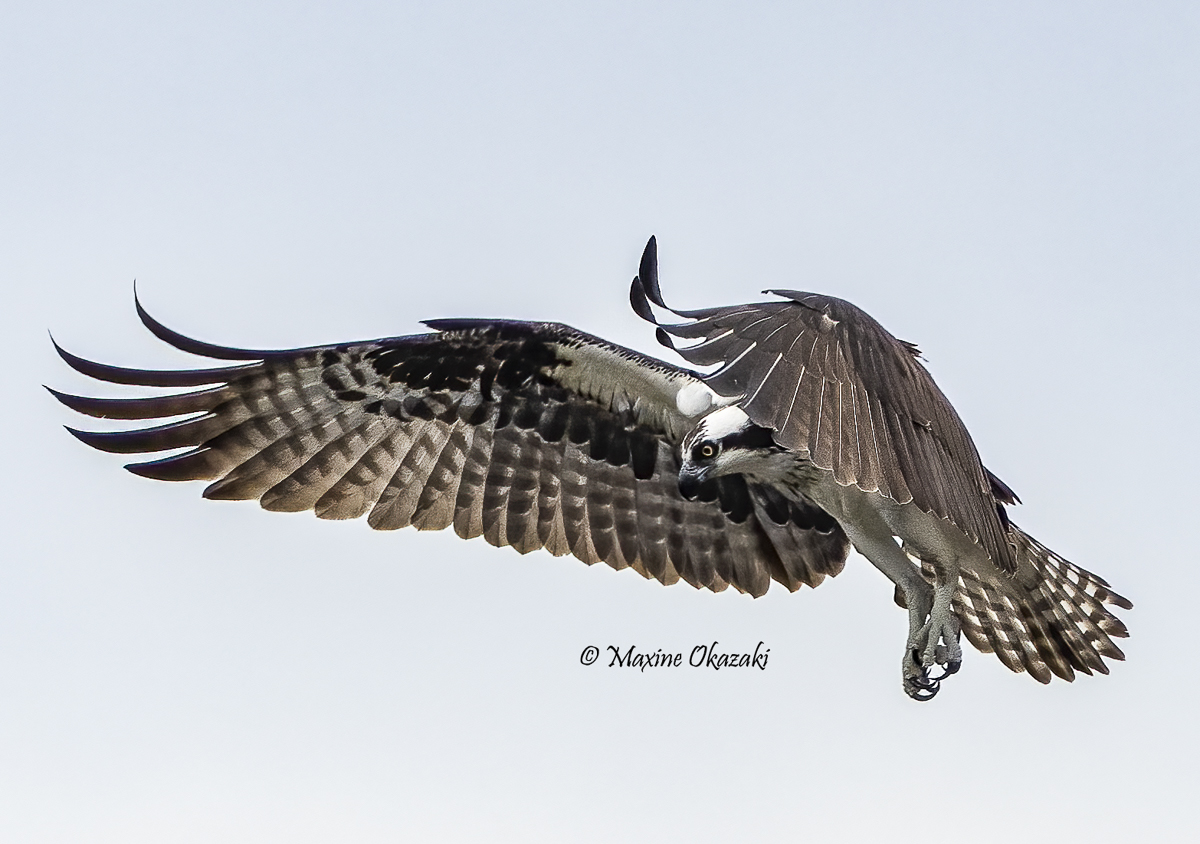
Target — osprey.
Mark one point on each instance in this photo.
(818, 431)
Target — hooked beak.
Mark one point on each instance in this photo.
(689, 482)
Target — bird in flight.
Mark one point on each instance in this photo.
(817, 431)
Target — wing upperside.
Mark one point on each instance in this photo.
(861, 405)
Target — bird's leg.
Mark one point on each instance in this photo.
(873, 539)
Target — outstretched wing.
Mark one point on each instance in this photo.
(835, 385)
(533, 435)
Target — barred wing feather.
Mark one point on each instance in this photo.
(532, 435)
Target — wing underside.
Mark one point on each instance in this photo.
(492, 428)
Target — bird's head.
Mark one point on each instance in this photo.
(726, 442)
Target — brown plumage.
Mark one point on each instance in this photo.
(467, 428)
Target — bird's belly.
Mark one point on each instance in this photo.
(924, 535)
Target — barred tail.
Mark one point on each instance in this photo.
(1048, 618)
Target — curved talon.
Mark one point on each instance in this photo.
(921, 687)
(921, 690)
(948, 669)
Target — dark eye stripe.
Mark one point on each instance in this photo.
(754, 436)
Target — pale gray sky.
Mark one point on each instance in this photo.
(1011, 185)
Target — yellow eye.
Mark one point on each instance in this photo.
(708, 451)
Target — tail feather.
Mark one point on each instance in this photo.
(1051, 618)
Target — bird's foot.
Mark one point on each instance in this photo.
(917, 683)
(935, 643)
